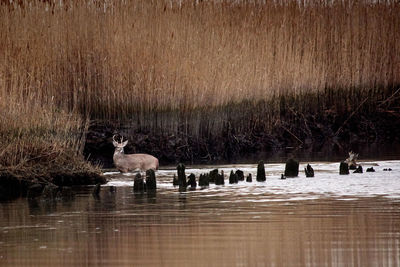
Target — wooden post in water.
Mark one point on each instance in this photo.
(213, 175)
(249, 179)
(220, 179)
(151, 183)
(359, 169)
(175, 181)
(233, 178)
(343, 168)
(292, 168)
(240, 175)
(192, 181)
(204, 180)
(260, 172)
(138, 184)
(309, 171)
(181, 176)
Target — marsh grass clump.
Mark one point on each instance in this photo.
(42, 145)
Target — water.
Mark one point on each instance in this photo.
(329, 220)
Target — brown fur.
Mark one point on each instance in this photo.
(132, 162)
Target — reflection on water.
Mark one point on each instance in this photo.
(255, 224)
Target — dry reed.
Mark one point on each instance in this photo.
(114, 58)
(124, 59)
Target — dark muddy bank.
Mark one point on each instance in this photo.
(238, 135)
(15, 184)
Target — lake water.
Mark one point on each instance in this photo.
(328, 220)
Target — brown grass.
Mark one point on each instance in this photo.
(154, 55)
(36, 138)
(131, 59)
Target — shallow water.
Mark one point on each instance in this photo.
(329, 220)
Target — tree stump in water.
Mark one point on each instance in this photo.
(343, 168)
(352, 166)
(240, 175)
(233, 178)
(359, 169)
(309, 171)
(220, 179)
(204, 180)
(192, 181)
(249, 179)
(292, 168)
(260, 172)
(370, 169)
(181, 176)
(175, 181)
(213, 176)
(151, 183)
(138, 184)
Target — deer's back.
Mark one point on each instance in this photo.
(131, 162)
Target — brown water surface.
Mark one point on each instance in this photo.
(214, 227)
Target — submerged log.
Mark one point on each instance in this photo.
(151, 183)
(260, 172)
(292, 168)
(309, 171)
(192, 181)
(204, 180)
(343, 168)
(249, 179)
(359, 169)
(138, 184)
(371, 169)
(240, 175)
(233, 178)
(181, 175)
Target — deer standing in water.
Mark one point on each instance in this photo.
(351, 160)
(132, 162)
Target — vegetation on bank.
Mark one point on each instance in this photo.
(185, 67)
(41, 144)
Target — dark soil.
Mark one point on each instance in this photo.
(14, 184)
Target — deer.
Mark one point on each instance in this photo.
(132, 162)
(351, 160)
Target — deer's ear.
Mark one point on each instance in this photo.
(125, 143)
(115, 143)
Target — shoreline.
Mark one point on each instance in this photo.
(369, 133)
(14, 184)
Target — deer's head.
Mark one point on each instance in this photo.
(119, 146)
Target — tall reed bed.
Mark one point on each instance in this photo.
(162, 62)
(37, 136)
